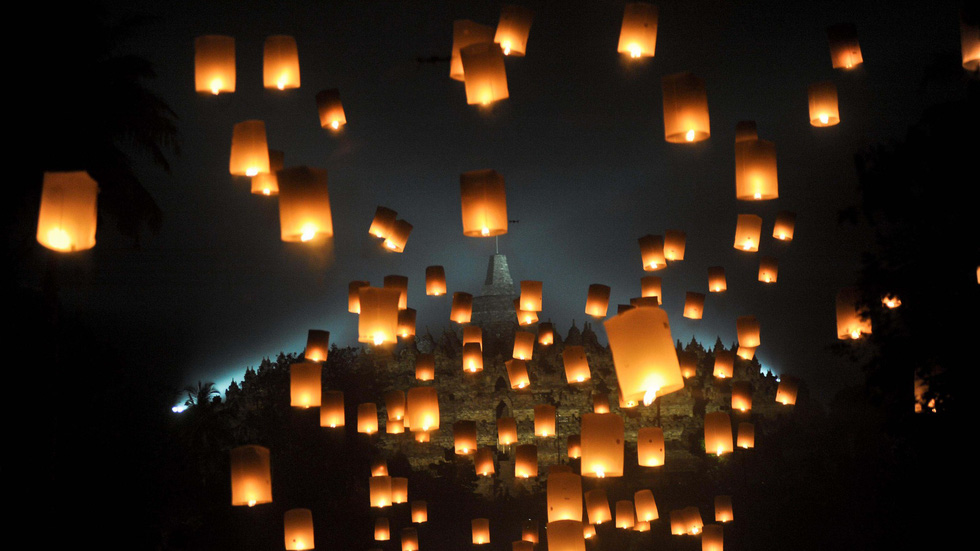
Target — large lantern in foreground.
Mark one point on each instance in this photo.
(484, 203)
(298, 528)
(214, 64)
(68, 215)
(435, 281)
(576, 364)
(526, 461)
(845, 52)
(330, 109)
(317, 345)
(251, 476)
(643, 354)
(823, 104)
(466, 32)
(513, 29)
(304, 384)
(422, 409)
(851, 323)
(378, 320)
(717, 433)
(249, 149)
(597, 301)
(603, 436)
(280, 63)
(462, 309)
(652, 252)
(332, 409)
(304, 205)
(716, 279)
(685, 109)
(755, 170)
(638, 35)
(650, 447)
(747, 232)
(784, 226)
(485, 76)
(564, 496)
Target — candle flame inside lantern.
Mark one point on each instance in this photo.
(379, 338)
(485, 231)
(824, 118)
(636, 51)
(690, 135)
(506, 47)
(281, 83)
(309, 232)
(599, 473)
(59, 239)
(856, 334)
(216, 86)
(251, 171)
(335, 125)
(251, 503)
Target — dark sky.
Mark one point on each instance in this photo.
(580, 144)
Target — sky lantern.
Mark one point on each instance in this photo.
(746, 130)
(651, 286)
(249, 149)
(466, 32)
(674, 243)
(603, 436)
(823, 104)
(529, 531)
(524, 317)
(298, 528)
(723, 509)
(747, 328)
(399, 282)
(638, 35)
(523, 345)
(625, 516)
(845, 52)
(481, 531)
(650, 447)
(394, 426)
(597, 301)
(717, 433)
(267, 183)
(435, 281)
(395, 404)
(332, 409)
(564, 496)
(689, 364)
(484, 203)
(597, 506)
(69, 212)
(521, 545)
(472, 357)
(768, 269)
(483, 462)
(485, 77)
(646, 506)
(526, 461)
(354, 297)
(214, 64)
(517, 373)
(380, 491)
(544, 420)
(462, 309)
(513, 29)
(421, 436)
(724, 364)
(686, 521)
(304, 205)
(546, 333)
(317, 345)
(784, 226)
(280, 63)
(506, 431)
(378, 319)
(384, 219)
(399, 490)
(747, 232)
(600, 402)
(464, 437)
(712, 538)
(741, 396)
(755, 170)
(472, 333)
(379, 467)
(574, 446)
(693, 305)
(746, 352)
(367, 418)
(576, 364)
(566, 535)
(422, 409)
(330, 108)
(787, 390)
(420, 511)
(251, 476)
(643, 354)
(410, 539)
(382, 531)
(425, 367)
(531, 295)
(398, 236)
(304, 384)
(685, 109)
(652, 252)
(969, 43)
(891, 301)
(746, 435)
(406, 323)
(850, 321)
(588, 530)
(716, 279)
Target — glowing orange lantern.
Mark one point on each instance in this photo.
(531, 296)
(768, 269)
(693, 305)
(353, 295)
(378, 320)
(521, 545)
(304, 205)
(969, 42)
(435, 281)
(723, 509)
(574, 446)
(465, 33)
(600, 403)
(523, 345)
(410, 539)
(597, 506)
(317, 343)
(395, 404)
(717, 433)
(652, 252)
(464, 437)
(484, 203)
(483, 462)
(420, 511)
(399, 490)
(638, 35)
(517, 373)
(745, 130)
(650, 447)
(384, 220)
(529, 531)
(755, 170)
(651, 286)
(425, 367)
(625, 517)
(481, 531)
(646, 506)
(845, 52)
(367, 418)
(331, 109)
(546, 334)
(406, 323)
(484, 73)
(597, 301)
(68, 215)
(544, 420)
(823, 104)
(712, 539)
(382, 531)
(401, 283)
(472, 357)
(746, 435)
(267, 183)
(643, 354)
(462, 309)
(379, 467)
(513, 29)
(746, 352)
(298, 528)
(526, 461)
(675, 242)
(851, 323)
(588, 531)
(398, 236)
(524, 317)
(249, 149)
(394, 426)
(724, 364)
(689, 364)
(576, 364)
(251, 476)
(603, 436)
(380, 491)
(280, 63)
(784, 226)
(716, 279)
(747, 232)
(747, 328)
(214, 64)
(787, 390)
(422, 409)
(566, 535)
(685, 109)
(564, 496)
(332, 409)
(472, 333)
(304, 384)
(686, 521)
(506, 431)
(742, 396)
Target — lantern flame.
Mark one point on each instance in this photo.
(485, 231)
(690, 135)
(824, 119)
(266, 191)
(335, 125)
(758, 195)
(581, 378)
(379, 338)
(216, 86)
(747, 245)
(309, 232)
(599, 473)
(59, 239)
(281, 83)
(635, 51)
(856, 334)
(251, 171)
(506, 47)
(520, 385)
(390, 244)
(721, 450)
(251, 503)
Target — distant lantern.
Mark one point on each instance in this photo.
(379, 467)
(465, 33)
(521, 545)
(67, 218)
(367, 418)
(513, 29)
(647, 302)
(517, 373)
(755, 171)
(420, 511)
(723, 509)
(332, 409)
(280, 63)
(746, 130)
(746, 352)
(969, 42)
(544, 420)
(380, 491)
(382, 531)
(716, 279)
(251, 476)
(724, 364)
(394, 426)
(693, 305)
(641, 526)
(484, 203)
(851, 323)
(747, 328)
(564, 496)
(506, 431)
(597, 506)
(689, 364)
(603, 436)
(529, 531)
(746, 435)
(378, 320)
(574, 446)
(353, 295)
(399, 282)
(787, 390)
(483, 462)
(566, 535)
(410, 539)
(823, 104)
(523, 345)
(298, 528)
(625, 516)
(891, 301)
(304, 205)
(546, 334)
(481, 531)
(435, 281)
(768, 269)
(317, 345)
(398, 237)
(685, 108)
(646, 506)
(406, 323)
(597, 301)
(472, 333)
(304, 384)
(650, 447)
(531, 295)
(267, 183)
(845, 52)
(643, 354)
(652, 252)
(249, 149)
(741, 396)
(712, 538)
(651, 286)
(462, 309)
(717, 433)
(675, 242)
(422, 409)
(638, 35)
(464, 437)
(747, 232)
(384, 220)
(576, 364)
(425, 367)
(588, 530)
(399, 490)
(395, 404)
(784, 226)
(485, 76)
(600, 403)
(472, 358)
(524, 317)
(214, 64)
(330, 108)
(686, 521)
(526, 461)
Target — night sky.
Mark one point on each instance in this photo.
(580, 144)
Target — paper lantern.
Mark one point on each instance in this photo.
(652, 252)
(379, 489)
(741, 396)
(746, 352)
(675, 242)
(280, 63)
(646, 506)
(724, 364)
(420, 511)
(544, 420)
(251, 476)
(597, 506)
(787, 390)
(529, 531)
(566, 535)
(517, 373)
(574, 446)
(693, 305)
(317, 345)
(717, 433)
(723, 509)
(485, 76)
(969, 42)
(399, 282)
(638, 35)
(745, 130)
(406, 323)
(523, 345)
(531, 296)
(399, 490)
(685, 109)
(481, 531)
(747, 328)
(650, 447)
(576, 364)
(651, 286)
(641, 526)
(422, 409)
(267, 183)
(546, 334)
(68, 214)
(378, 320)
(686, 521)
(249, 149)
(330, 109)
(784, 226)
(354, 297)
(394, 426)
(716, 279)
(712, 538)
(521, 546)
(425, 367)
(435, 281)
(472, 358)
(379, 467)
(395, 404)
(462, 309)
(513, 29)
(625, 517)
(410, 539)
(524, 317)
(464, 437)
(597, 301)
(689, 364)
(483, 462)
(755, 171)
(823, 104)
(384, 220)
(600, 403)
(465, 33)
(891, 302)
(845, 52)
(645, 302)
(298, 528)
(526, 461)
(304, 384)
(747, 232)
(768, 269)
(214, 64)
(367, 418)
(851, 323)
(304, 205)
(332, 409)
(746, 435)
(603, 436)
(506, 431)
(588, 531)
(484, 203)
(472, 333)
(398, 236)
(421, 436)
(382, 531)
(643, 354)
